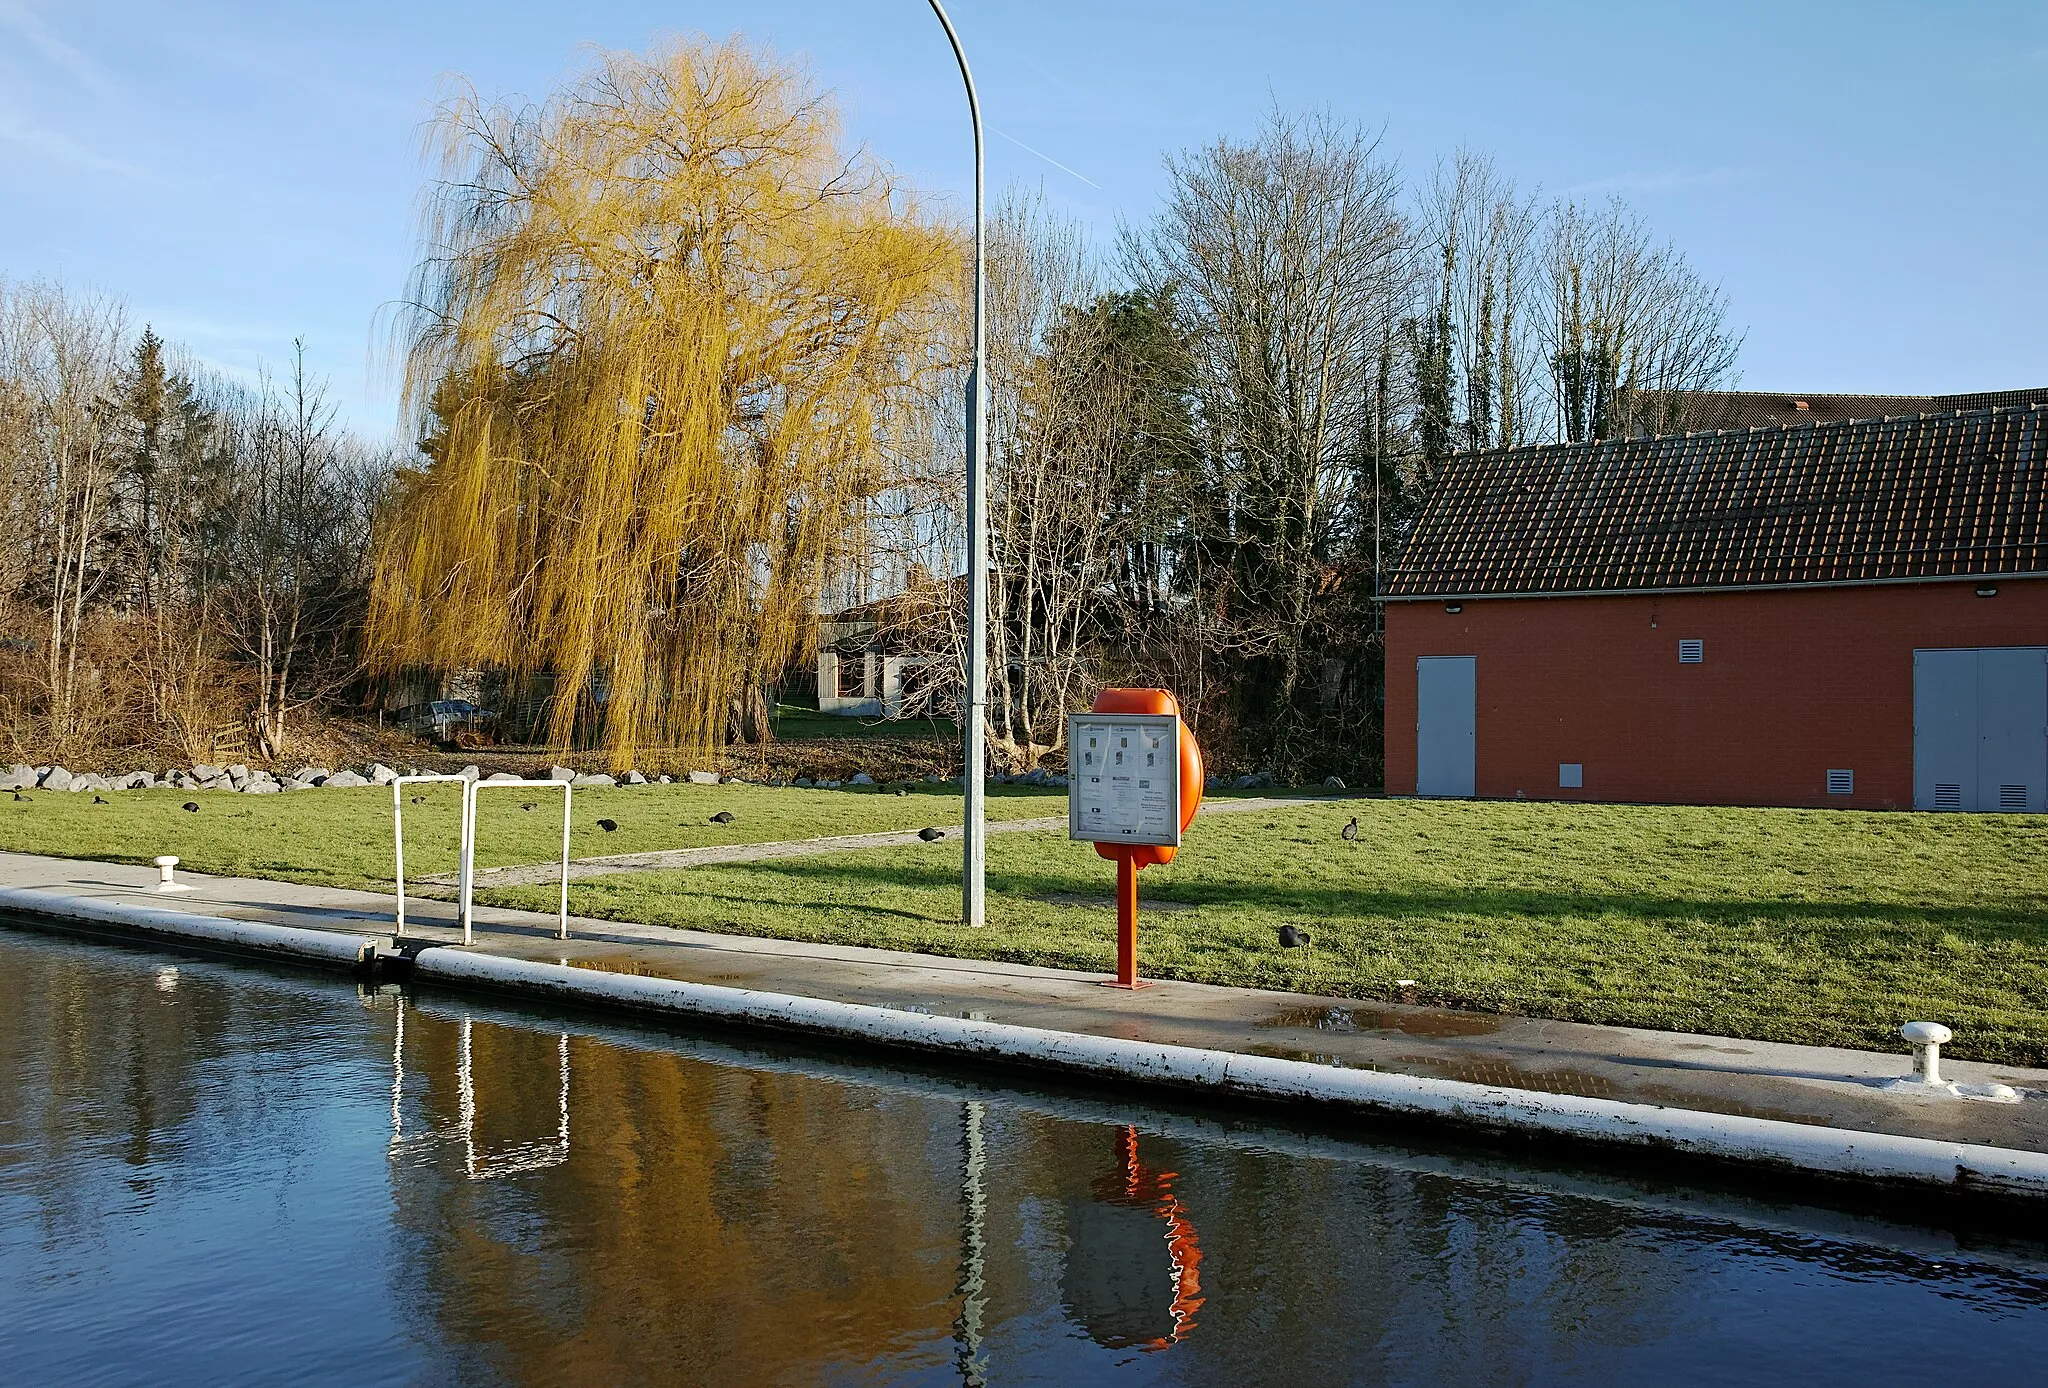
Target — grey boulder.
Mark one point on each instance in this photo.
(57, 778)
(632, 778)
(861, 778)
(561, 773)
(703, 778)
(346, 780)
(594, 778)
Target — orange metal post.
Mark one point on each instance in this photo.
(1127, 923)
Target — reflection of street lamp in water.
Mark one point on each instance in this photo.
(1133, 1270)
(973, 1246)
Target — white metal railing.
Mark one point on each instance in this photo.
(469, 847)
(467, 838)
(465, 869)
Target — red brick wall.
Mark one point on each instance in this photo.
(1794, 682)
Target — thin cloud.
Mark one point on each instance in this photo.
(1049, 159)
(54, 49)
(1661, 181)
(60, 148)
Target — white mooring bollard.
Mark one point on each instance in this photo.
(167, 883)
(1927, 1039)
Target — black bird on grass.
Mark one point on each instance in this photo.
(22, 798)
(419, 800)
(722, 817)
(527, 806)
(1290, 938)
(190, 807)
(901, 791)
(608, 825)
(99, 800)
(1350, 831)
(931, 835)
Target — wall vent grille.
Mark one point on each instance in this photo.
(2012, 799)
(1948, 797)
(1692, 652)
(1841, 782)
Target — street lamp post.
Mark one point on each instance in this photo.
(973, 884)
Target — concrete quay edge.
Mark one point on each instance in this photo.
(1916, 1162)
(253, 939)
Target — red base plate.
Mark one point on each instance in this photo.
(1133, 987)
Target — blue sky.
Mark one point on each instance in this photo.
(1863, 179)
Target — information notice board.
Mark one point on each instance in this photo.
(1123, 783)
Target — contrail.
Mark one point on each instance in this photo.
(1049, 159)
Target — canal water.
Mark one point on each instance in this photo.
(215, 1173)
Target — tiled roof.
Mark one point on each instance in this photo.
(1756, 409)
(1953, 495)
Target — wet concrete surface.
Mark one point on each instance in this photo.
(1802, 1084)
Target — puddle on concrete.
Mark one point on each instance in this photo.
(1309, 1057)
(1505, 1076)
(1356, 1019)
(1584, 1085)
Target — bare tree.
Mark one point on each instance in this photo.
(1288, 258)
(1631, 331)
(60, 358)
(288, 546)
(1476, 244)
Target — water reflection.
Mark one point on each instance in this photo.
(525, 1156)
(1129, 1281)
(216, 1174)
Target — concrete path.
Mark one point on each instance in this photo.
(660, 860)
(1799, 1084)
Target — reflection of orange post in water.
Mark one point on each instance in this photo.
(1129, 857)
(1106, 1276)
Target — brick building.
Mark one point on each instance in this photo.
(1849, 613)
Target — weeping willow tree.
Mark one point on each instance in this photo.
(658, 343)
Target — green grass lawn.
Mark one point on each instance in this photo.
(1823, 927)
(1828, 927)
(342, 838)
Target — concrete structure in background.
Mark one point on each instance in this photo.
(873, 659)
(1851, 614)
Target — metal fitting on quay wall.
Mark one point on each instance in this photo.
(1927, 1039)
(165, 882)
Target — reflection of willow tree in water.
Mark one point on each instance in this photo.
(708, 1225)
(663, 338)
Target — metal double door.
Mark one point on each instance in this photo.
(1980, 729)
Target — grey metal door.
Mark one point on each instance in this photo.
(1944, 730)
(1446, 712)
(2012, 729)
(1980, 729)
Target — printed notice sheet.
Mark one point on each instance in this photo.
(1124, 777)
